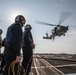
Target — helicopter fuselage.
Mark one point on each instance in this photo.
(60, 30)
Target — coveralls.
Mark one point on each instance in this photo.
(13, 45)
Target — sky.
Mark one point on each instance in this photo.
(47, 11)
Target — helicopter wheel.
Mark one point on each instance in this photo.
(59, 35)
(63, 34)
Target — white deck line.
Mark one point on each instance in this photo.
(53, 66)
(36, 67)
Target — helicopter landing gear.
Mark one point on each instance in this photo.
(50, 36)
(63, 34)
(53, 38)
(47, 35)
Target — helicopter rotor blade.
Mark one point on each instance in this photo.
(44, 23)
(64, 16)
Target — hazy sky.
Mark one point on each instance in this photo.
(47, 11)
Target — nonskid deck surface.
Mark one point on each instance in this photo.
(52, 64)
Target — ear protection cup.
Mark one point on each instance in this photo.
(17, 18)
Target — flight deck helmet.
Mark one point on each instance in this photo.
(20, 19)
(28, 26)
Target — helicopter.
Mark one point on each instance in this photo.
(59, 29)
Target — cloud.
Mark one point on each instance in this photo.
(56, 5)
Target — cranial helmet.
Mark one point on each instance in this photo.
(28, 26)
(19, 18)
(1, 31)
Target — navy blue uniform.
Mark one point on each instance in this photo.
(27, 50)
(13, 45)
